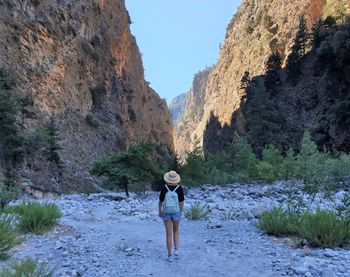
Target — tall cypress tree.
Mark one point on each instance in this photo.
(11, 142)
(53, 140)
(262, 119)
(298, 49)
(272, 77)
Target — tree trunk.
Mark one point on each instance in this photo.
(126, 187)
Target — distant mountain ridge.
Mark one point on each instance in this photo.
(177, 106)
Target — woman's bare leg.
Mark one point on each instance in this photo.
(169, 235)
(176, 233)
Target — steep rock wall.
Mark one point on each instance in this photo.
(79, 60)
(258, 28)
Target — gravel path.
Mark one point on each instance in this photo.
(101, 237)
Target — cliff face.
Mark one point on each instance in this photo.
(80, 63)
(258, 29)
(177, 106)
(184, 137)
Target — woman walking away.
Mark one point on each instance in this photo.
(171, 204)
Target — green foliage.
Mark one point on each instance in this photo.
(197, 212)
(230, 215)
(321, 228)
(289, 165)
(267, 21)
(262, 119)
(249, 26)
(344, 208)
(265, 171)
(7, 194)
(91, 120)
(8, 236)
(193, 170)
(26, 268)
(311, 165)
(272, 156)
(11, 141)
(298, 49)
(132, 166)
(52, 140)
(324, 229)
(245, 81)
(241, 160)
(277, 222)
(272, 77)
(36, 218)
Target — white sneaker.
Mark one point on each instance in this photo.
(170, 259)
(176, 253)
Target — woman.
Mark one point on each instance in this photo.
(171, 204)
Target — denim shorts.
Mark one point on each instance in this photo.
(171, 217)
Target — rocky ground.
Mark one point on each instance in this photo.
(109, 235)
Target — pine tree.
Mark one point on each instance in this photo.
(193, 169)
(245, 81)
(298, 49)
(301, 38)
(11, 142)
(272, 77)
(53, 140)
(289, 165)
(242, 159)
(317, 33)
(262, 119)
(132, 166)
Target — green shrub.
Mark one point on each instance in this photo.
(230, 215)
(26, 268)
(91, 120)
(36, 218)
(7, 194)
(274, 222)
(289, 165)
(265, 171)
(343, 209)
(217, 176)
(8, 236)
(193, 169)
(324, 229)
(197, 212)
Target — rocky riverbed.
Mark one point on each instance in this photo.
(106, 234)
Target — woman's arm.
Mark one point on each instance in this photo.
(182, 206)
(160, 212)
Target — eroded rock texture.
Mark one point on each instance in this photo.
(81, 64)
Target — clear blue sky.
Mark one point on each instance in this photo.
(177, 38)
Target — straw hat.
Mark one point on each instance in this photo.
(172, 177)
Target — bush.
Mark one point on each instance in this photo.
(91, 120)
(8, 236)
(343, 208)
(324, 229)
(36, 218)
(26, 268)
(265, 171)
(7, 194)
(274, 222)
(197, 212)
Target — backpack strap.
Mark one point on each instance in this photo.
(172, 190)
